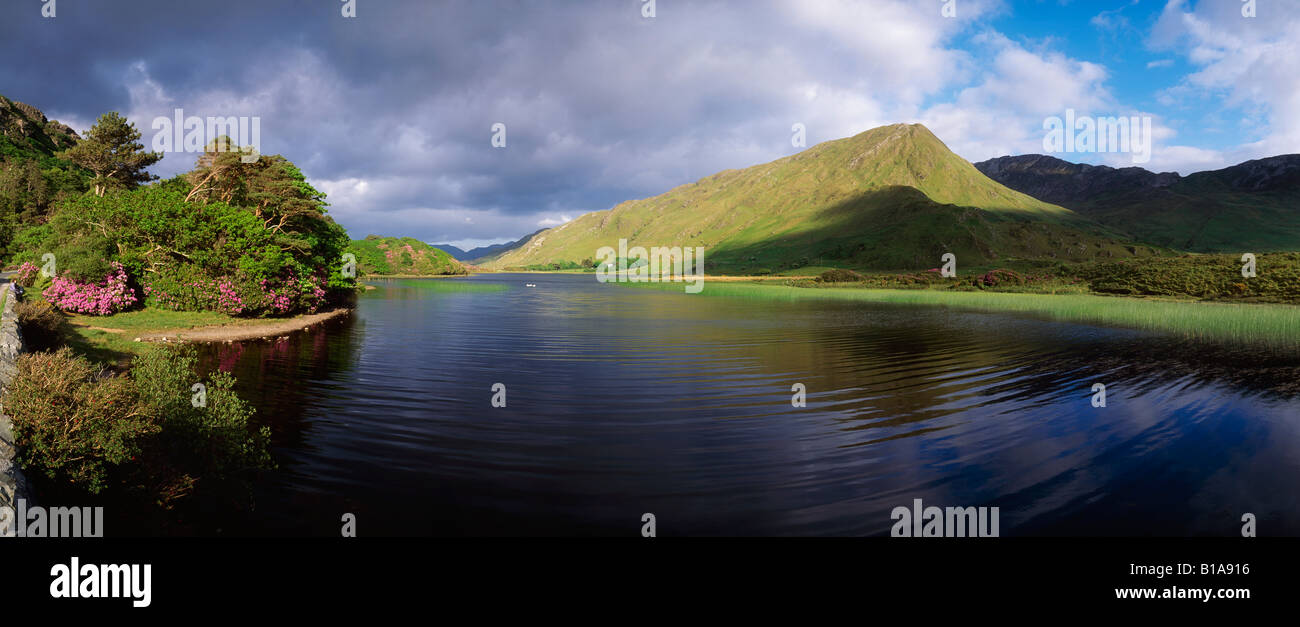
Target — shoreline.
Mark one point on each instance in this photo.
(236, 332)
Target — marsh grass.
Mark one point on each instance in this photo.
(1275, 326)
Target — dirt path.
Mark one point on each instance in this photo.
(237, 332)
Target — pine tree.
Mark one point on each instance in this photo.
(112, 152)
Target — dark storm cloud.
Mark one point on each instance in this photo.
(391, 112)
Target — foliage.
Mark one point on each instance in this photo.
(406, 255)
(78, 425)
(42, 325)
(215, 439)
(112, 152)
(32, 178)
(72, 421)
(27, 274)
(191, 256)
(1213, 277)
(104, 298)
(840, 276)
(1000, 277)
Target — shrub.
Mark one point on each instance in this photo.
(186, 288)
(78, 425)
(166, 242)
(71, 420)
(108, 297)
(999, 278)
(1200, 276)
(41, 324)
(27, 274)
(214, 439)
(840, 275)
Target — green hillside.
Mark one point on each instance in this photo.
(893, 197)
(402, 255)
(1252, 206)
(33, 177)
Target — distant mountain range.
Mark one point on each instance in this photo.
(1250, 207)
(484, 253)
(894, 197)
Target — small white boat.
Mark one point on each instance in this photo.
(530, 285)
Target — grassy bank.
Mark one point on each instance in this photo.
(1277, 326)
(113, 339)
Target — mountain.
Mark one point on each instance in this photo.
(456, 253)
(405, 255)
(483, 253)
(894, 197)
(1253, 206)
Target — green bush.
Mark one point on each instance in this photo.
(157, 235)
(1000, 278)
(840, 275)
(42, 325)
(72, 421)
(216, 439)
(1211, 277)
(78, 425)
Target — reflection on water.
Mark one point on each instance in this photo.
(623, 401)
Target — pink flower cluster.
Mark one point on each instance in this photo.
(233, 296)
(317, 295)
(26, 274)
(281, 301)
(219, 295)
(110, 297)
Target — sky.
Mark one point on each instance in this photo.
(394, 112)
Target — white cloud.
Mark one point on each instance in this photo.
(1243, 62)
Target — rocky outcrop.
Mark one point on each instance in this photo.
(13, 485)
(27, 126)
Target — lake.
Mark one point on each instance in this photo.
(622, 401)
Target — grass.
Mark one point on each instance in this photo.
(111, 339)
(1276, 326)
(151, 318)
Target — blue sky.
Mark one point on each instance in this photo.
(391, 112)
(1119, 35)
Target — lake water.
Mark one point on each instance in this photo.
(623, 401)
